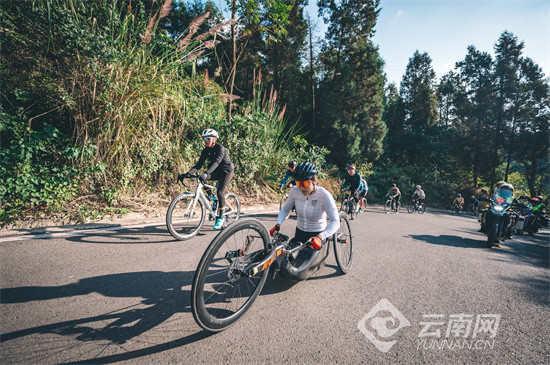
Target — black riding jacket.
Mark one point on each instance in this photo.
(218, 157)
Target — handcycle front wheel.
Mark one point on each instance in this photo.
(343, 244)
(185, 216)
(221, 293)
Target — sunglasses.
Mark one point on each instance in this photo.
(303, 184)
(207, 139)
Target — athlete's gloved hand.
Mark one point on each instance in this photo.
(315, 242)
(274, 230)
(192, 172)
(203, 177)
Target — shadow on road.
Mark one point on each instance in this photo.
(161, 292)
(448, 240)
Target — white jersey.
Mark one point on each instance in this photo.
(420, 193)
(312, 211)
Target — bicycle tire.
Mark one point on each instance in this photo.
(214, 314)
(343, 245)
(421, 209)
(283, 200)
(344, 205)
(234, 205)
(351, 210)
(182, 224)
(387, 206)
(410, 207)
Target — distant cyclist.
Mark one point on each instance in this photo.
(220, 168)
(363, 190)
(395, 195)
(353, 183)
(418, 195)
(289, 175)
(459, 201)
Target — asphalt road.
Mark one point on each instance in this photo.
(438, 296)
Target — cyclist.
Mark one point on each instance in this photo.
(353, 181)
(459, 200)
(313, 205)
(474, 203)
(220, 168)
(418, 195)
(363, 190)
(395, 195)
(289, 172)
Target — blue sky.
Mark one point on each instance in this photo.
(445, 28)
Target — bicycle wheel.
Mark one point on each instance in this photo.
(410, 207)
(221, 292)
(343, 244)
(232, 207)
(344, 205)
(351, 209)
(421, 209)
(387, 206)
(283, 200)
(185, 217)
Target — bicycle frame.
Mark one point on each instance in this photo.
(199, 194)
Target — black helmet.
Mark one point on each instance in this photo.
(305, 171)
(292, 164)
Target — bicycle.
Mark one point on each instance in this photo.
(391, 206)
(235, 266)
(349, 205)
(456, 210)
(186, 213)
(283, 200)
(416, 206)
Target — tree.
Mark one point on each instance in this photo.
(351, 91)
(418, 92)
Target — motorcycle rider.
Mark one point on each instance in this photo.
(220, 168)
(313, 205)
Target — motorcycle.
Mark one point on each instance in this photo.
(497, 217)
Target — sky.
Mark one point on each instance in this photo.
(445, 28)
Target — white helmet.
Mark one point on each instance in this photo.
(418, 187)
(210, 133)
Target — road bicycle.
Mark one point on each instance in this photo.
(416, 206)
(283, 200)
(391, 206)
(456, 210)
(235, 266)
(349, 205)
(186, 213)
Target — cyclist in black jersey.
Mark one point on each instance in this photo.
(220, 168)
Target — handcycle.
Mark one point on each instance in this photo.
(392, 205)
(186, 213)
(416, 205)
(235, 266)
(349, 204)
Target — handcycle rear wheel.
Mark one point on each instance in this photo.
(184, 217)
(221, 293)
(343, 244)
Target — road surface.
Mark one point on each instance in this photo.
(422, 289)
